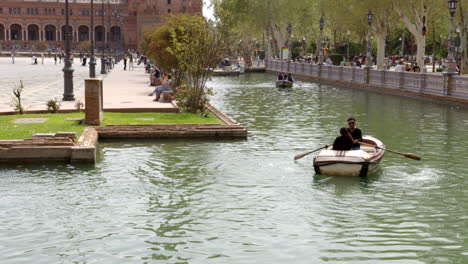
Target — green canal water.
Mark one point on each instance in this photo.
(247, 201)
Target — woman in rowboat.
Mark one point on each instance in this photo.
(343, 142)
(281, 77)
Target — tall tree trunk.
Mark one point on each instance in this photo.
(279, 37)
(417, 27)
(381, 50)
(421, 43)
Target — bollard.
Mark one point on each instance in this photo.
(94, 101)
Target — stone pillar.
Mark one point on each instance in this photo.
(94, 101)
(367, 74)
(449, 82)
(25, 35)
(402, 80)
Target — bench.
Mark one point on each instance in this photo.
(167, 96)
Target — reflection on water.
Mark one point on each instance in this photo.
(245, 201)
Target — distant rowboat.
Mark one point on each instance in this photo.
(351, 162)
(284, 84)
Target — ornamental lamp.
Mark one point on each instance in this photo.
(452, 5)
(289, 28)
(370, 16)
(322, 23)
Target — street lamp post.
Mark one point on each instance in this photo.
(92, 62)
(267, 43)
(289, 29)
(321, 23)
(402, 51)
(347, 45)
(109, 34)
(103, 65)
(451, 67)
(67, 70)
(369, 41)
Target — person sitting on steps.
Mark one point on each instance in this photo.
(167, 86)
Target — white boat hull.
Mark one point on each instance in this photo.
(284, 84)
(350, 163)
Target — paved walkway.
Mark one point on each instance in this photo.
(122, 89)
(130, 89)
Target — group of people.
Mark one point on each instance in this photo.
(162, 82)
(349, 137)
(401, 67)
(285, 77)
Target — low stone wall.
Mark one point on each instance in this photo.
(51, 147)
(62, 146)
(440, 87)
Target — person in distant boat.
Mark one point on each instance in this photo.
(290, 78)
(343, 142)
(281, 77)
(356, 133)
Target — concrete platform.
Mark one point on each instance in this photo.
(128, 91)
(124, 91)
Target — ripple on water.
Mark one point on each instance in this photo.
(232, 201)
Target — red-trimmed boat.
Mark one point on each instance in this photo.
(350, 162)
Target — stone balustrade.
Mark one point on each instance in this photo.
(430, 83)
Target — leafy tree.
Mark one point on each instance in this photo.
(188, 46)
(463, 14)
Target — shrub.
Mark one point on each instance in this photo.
(53, 106)
(17, 99)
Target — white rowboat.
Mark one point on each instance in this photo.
(284, 84)
(350, 162)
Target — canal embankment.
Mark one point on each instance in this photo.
(445, 88)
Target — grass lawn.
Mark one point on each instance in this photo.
(57, 123)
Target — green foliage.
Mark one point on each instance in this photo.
(158, 118)
(189, 47)
(17, 99)
(185, 97)
(53, 106)
(56, 122)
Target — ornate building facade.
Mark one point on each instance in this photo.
(29, 24)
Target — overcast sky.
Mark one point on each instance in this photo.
(207, 12)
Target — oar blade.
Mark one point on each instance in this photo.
(301, 156)
(412, 156)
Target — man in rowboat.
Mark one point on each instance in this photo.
(356, 133)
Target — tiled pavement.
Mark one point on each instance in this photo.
(42, 82)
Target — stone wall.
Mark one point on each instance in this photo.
(423, 85)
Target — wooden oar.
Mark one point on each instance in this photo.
(409, 156)
(310, 152)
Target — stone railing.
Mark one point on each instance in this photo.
(432, 83)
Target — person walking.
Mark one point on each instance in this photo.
(13, 57)
(42, 58)
(125, 63)
(55, 58)
(130, 63)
